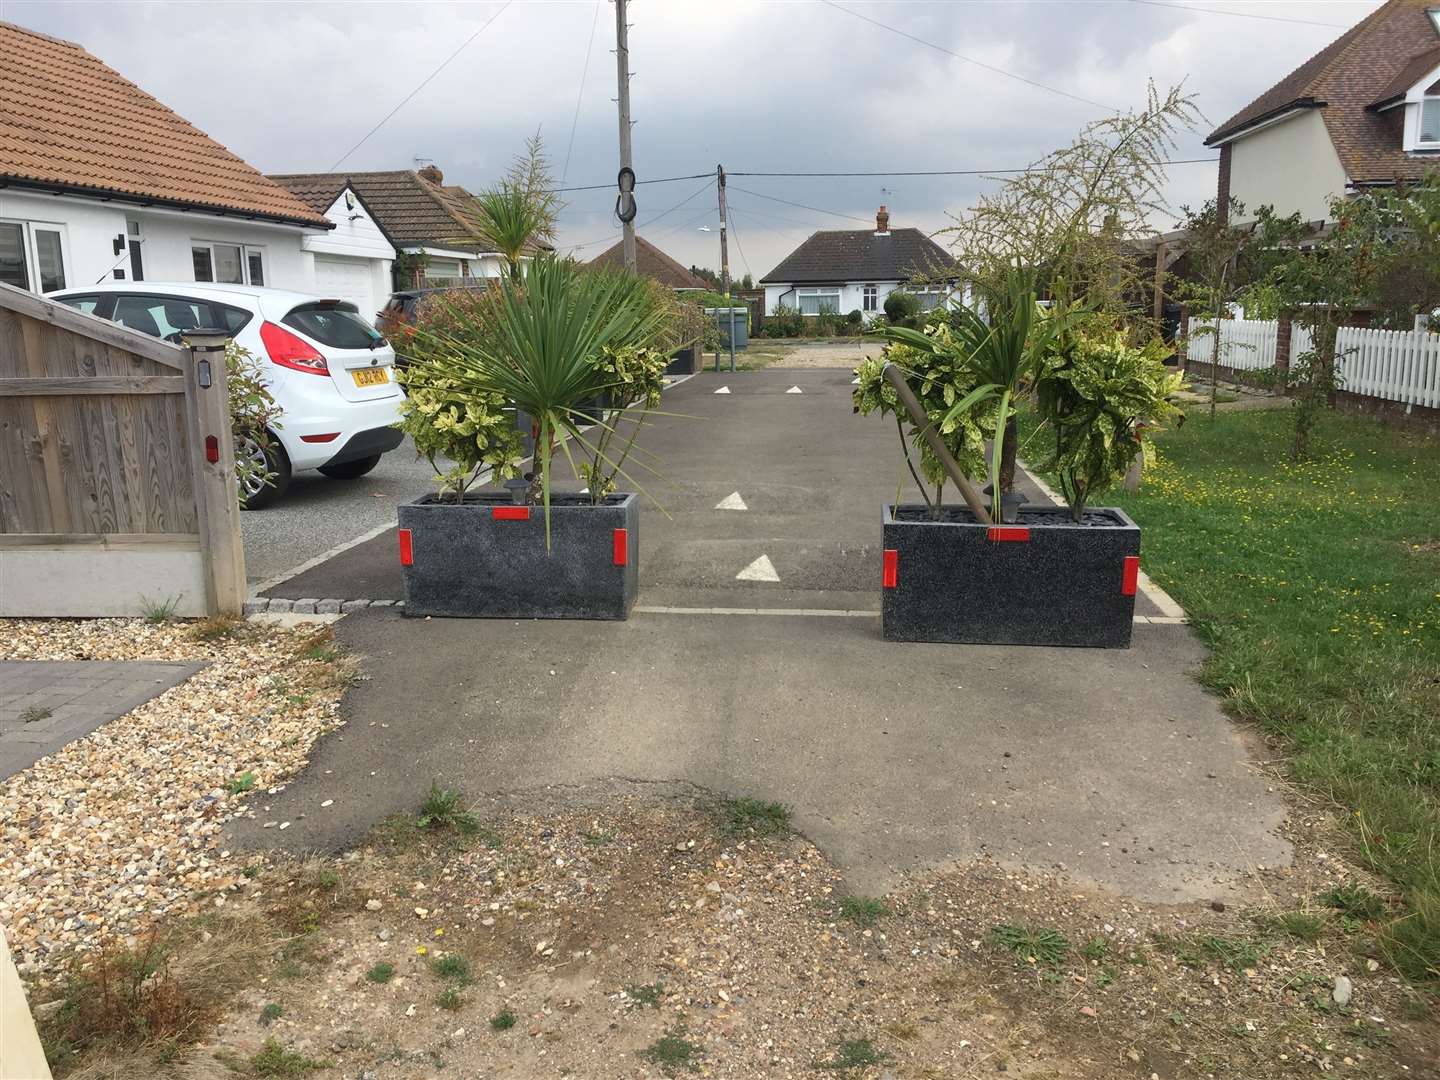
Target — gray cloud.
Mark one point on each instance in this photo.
(787, 85)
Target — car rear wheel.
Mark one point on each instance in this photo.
(350, 470)
(270, 456)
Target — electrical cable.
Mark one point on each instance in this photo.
(580, 94)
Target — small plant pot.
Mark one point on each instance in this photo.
(1044, 580)
(486, 558)
(683, 362)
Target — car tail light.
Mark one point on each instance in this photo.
(290, 351)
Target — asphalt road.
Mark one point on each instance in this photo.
(1114, 764)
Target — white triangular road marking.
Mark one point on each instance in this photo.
(762, 569)
(584, 491)
(723, 390)
(794, 390)
(733, 501)
(855, 381)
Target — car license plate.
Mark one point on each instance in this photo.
(370, 376)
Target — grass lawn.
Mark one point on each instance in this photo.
(1317, 586)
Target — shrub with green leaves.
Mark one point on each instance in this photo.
(253, 414)
(1099, 394)
(902, 308)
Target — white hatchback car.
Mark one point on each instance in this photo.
(331, 373)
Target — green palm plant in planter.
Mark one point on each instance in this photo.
(573, 349)
(1048, 576)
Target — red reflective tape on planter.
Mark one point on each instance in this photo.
(1009, 532)
(407, 551)
(890, 574)
(212, 449)
(510, 513)
(622, 546)
(1131, 577)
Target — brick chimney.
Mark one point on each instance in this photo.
(432, 174)
(882, 220)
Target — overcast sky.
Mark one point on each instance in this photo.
(755, 85)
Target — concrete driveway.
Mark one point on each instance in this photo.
(1112, 764)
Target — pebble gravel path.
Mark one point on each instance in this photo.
(121, 827)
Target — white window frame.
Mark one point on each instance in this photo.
(246, 250)
(870, 298)
(939, 293)
(1422, 143)
(31, 254)
(821, 296)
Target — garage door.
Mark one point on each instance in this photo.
(347, 279)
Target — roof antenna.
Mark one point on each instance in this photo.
(421, 162)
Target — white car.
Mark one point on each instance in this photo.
(331, 373)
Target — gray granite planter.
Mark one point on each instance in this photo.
(1044, 580)
(486, 558)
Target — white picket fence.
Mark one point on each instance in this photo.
(1245, 344)
(1394, 365)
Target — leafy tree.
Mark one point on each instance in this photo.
(1075, 216)
(518, 214)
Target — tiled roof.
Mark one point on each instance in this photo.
(69, 122)
(1354, 71)
(413, 211)
(862, 255)
(652, 263)
(1409, 75)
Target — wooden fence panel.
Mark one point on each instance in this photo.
(104, 491)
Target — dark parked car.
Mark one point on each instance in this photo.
(400, 310)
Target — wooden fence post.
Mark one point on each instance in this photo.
(216, 495)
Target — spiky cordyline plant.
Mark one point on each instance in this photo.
(541, 346)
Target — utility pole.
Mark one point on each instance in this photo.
(622, 70)
(725, 267)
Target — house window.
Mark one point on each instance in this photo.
(32, 255)
(448, 269)
(930, 299)
(1430, 121)
(135, 238)
(814, 301)
(871, 295)
(229, 264)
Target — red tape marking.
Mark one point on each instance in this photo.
(890, 575)
(622, 547)
(1009, 532)
(510, 513)
(1131, 577)
(407, 552)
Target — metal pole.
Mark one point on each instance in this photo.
(725, 265)
(622, 72)
(896, 378)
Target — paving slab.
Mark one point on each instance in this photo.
(1113, 764)
(45, 704)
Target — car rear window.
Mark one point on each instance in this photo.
(336, 325)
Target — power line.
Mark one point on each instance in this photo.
(946, 172)
(658, 180)
(1240, 14)
(739, 246)
(969, 59)
(710, 179)
(426, 82)
(802, 206)
(580, 93)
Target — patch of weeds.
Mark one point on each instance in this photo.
(1370, 1036)
(328, 879)
(754, 817)
(159, 611)
(1096, 949)
(33, 714)
(274, 1059)
(863, 911)
(488, 836)
(1176, 1018)
(444, 808)
(241, 784)
(1236, 953)
(672, 1052)
(853, 1054)
(450, 999)
(298, 952)
(504, 1020)
(646, 996)
(453, 967)
(902, 1030)
(1045, 946)
(1303, 925)
(1105, 976)
(381, 973)
(597, 839)
(216, 628)
(1354, 902)
(270, 1013)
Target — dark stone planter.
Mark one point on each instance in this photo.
(1042, 581)
(486, 558)
(683, 362)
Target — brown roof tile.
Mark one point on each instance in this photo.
(69, 121)
(652, 263)
(410, 209)
(1354, 71)
(862, 255)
